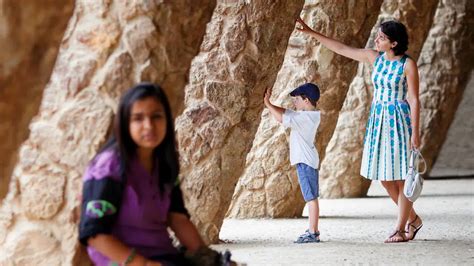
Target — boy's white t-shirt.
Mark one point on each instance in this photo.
(304, 125)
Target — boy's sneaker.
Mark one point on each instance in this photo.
(308, 237)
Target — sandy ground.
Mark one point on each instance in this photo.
(353, 230)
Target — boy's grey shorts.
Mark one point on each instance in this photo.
(308, 178)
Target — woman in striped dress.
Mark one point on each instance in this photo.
(392, 128)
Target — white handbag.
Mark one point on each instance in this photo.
(413, 179)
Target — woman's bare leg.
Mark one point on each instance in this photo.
(404, 207)
(394, 191)
(405, 210)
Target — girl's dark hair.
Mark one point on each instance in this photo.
(165, 154)
(396, 32)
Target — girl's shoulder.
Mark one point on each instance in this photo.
(106, 164)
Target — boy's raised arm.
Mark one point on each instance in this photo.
(276, 111)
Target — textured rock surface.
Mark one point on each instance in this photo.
(453, 158)
(340, 169)
(30, 34)
(446, 59)
(269, 186)
(240, 57)
(108, 46)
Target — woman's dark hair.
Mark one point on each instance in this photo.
(396, 32)
(165, 154)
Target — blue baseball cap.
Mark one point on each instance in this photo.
(309, 90)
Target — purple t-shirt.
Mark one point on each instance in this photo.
(138, 218)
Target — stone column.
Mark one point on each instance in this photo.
(108, 46)
(445, 64)
(452, 160)
(240, 57)
(30, 34)
(340, 169)
(269, 186)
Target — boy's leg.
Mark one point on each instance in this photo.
(313, 207)
(308, 179)
(313, 203)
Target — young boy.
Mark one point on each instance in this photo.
(303, 123)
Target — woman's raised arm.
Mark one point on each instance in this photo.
(359, 54)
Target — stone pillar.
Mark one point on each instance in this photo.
(340, 169)
(240, 57)
(269, 186)
(452, 160)
(30, 34)
(445, 64)
(108, 46)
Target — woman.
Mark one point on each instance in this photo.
(393, 125)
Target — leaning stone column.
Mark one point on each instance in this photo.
(269, 186)
(445, 65)
(452, 159)
(30, 34)
(109, 46)
(240, 57)
(340, 169)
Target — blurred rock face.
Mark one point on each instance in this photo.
(30, 35)
(108, 46)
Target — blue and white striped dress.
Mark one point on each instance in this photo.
(388, 131)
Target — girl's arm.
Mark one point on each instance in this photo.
(362, 55)
(116, 251)
(276, 111)
(413, 99)
(185, 231)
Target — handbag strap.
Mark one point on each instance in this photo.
(415, 156)
(411, 163)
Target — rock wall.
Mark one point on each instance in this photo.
(340, 169)
(30, 34)
(452, 160)
(269, 186)
(108, 46)
(446, 59)
(240, 56)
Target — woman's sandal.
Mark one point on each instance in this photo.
(397, 237)
(416, 228)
